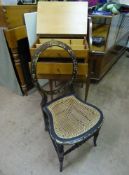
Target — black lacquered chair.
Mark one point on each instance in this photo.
(68, 119)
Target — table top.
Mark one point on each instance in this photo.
(62, 18)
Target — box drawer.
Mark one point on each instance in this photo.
(79, 46)
(60, 68)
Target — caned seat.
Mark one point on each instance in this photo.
(72, 118)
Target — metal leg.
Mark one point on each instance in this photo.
(95, 137)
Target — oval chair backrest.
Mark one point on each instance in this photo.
(55, 68)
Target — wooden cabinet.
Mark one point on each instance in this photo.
(12, 19)
(114, 29)
(19, 51)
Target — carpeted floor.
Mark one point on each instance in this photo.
(26, 149)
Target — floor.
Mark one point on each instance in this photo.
(26, 149)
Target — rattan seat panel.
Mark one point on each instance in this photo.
(72, 117)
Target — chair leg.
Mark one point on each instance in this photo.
(60, 152)
(95, 138)
(51, 87)
(45, 121)
(87, 87)
(61, 163)
(61, 156)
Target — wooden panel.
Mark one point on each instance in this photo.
(79, 46)
(66, 41)
(2, 18)
(74, 47)
(62, 18)
(61, 77)
(75, 44)
(12, 37)
(60, 68)
(77, 41)
(101, 64)
(15, 34)
(18, 67)
(15, 14)
(43, 40)
(61, 53)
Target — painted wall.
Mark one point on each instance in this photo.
(9, 2)
(120, 1)
(7, 74)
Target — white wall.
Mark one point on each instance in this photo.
(120, 1)
(124, 2)
(9, 2)
(7, 74)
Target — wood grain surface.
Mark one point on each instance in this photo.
(62, 18)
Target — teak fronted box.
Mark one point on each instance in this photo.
(66, 22)
(55, 61)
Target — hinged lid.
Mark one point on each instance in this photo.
(62, 18)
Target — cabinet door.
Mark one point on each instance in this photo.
(100, 31)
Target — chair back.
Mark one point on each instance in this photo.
(68, 69)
